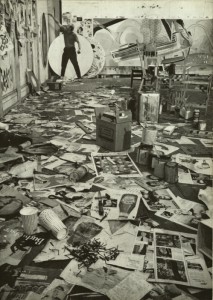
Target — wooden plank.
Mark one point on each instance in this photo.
(195, 82)
(17, 69)
(1, 98)
(188, 90)
(29, 61)
(37, 41)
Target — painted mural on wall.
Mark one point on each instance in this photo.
(7, 29)
(12, 26)
(201, 52)
(5, 41)
(98, 59)
(173, 39)
(82, 26)
(120, 39)
(21, 22)
(7, 78)
(88, 28)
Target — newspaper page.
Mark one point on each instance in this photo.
(201, 165)
(133, 287)
(189, 215)
(198, 273)
(115, 163)
(189, 244)
(171, 258)
(151, 182)
(143, 248)
(159, 199)
(118, 183)
(115, 205)
(189, 177)
(100, 278)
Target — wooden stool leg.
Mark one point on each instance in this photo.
(141, 85)
(131, 80)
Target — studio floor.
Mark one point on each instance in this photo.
(129, 225)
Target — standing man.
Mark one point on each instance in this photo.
(70, 38)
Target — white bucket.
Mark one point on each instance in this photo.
(29, 217)
(51, 221)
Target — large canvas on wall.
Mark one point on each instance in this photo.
(114, 34)
(119, 27)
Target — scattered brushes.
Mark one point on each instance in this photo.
(88, 253)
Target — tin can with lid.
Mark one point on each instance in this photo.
(149, 135)
(143, 154)
(202, 125)
(171, 172)
(159, 168)
(188, 115)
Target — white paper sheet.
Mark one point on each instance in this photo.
(128, 261)
(166, 149)
(201, 165)
(79, 158)
(184, 141)
(101, 278)
(133, 287)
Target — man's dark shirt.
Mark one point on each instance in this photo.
(69, 36)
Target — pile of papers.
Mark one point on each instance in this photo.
(116, 204)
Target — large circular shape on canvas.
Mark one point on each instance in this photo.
(98, 59)
(129, 32)
(107, 41)
(44, 40)
(131, 35)
(85, 58)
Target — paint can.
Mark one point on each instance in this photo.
(154, 158)
(143, 154)
(171, 172)
(79, 173)
(196, 117)
(202, 125)
(188, 115)
(159, 168)
(149, 135)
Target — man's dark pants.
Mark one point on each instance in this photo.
(70, 53)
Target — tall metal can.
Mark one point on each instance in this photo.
(171, 172)
(196, 117)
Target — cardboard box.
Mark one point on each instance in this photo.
(205, 237)
(113, 129)
(54, 86)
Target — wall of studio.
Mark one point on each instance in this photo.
(116, 24)
(26, 32)
(25, 35)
